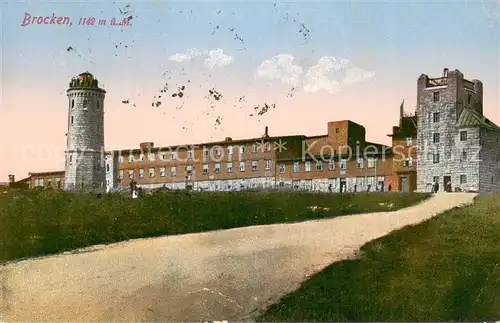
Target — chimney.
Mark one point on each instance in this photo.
(266, 133)
(146, 145)
(12, 178)
(445, 72)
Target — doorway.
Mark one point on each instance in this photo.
(342, 185)
(447, 183)
(404, 184)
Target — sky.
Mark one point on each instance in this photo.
(315, 61)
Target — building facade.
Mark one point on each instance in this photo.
(85, 137)
(456, 143)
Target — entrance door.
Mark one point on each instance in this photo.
(343, 185)
(404, 184)
(447, 183)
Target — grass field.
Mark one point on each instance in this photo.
(35, 223)
(445, 269)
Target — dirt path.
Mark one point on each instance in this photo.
(222, 275)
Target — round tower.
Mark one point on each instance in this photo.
(85, 138)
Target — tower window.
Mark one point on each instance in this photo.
(97, 105)
(436, 97)
(435, 117)
(84, 104)
(70, 159)
(72, 104)
(469, 99)
(72, 120)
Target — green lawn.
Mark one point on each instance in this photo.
(34, 223)
(445, 269)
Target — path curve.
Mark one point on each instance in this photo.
(220, 275)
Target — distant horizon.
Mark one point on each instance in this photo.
(316, 61)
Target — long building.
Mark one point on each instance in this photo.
(448, 121)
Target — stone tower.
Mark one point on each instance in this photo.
(441, 102)
(85, 138)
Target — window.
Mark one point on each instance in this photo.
(107, 168)
(120, 174)
(319, 166)
(409, 141)
(464, 155)
(255, 147)
(120, 159)
(435, 137)
(242, 166)
(72, 120)
(371, 162)
(463, 179)
(58, 181)
(97, 106)
(229, 150)
(162, 172)
(254, 165)
(463, 135)
(408, 162)
(336, 130)
(217, 168)
(359, 163)
(343, 164)
(296, 167)
(241, 149)
(282, 168)
(141, 173)
(436, 97)
(131, 158)
(268, 146)
(435, 117)
(435, 158)
(216, 151)
(469, 99)
(131, 173)
(72, 104)
(229, 167)
(97, 128)
(190, 154)
(173, 171)
(189, 169)
(163, 156)
(49, 183)
(151, 157)
(205, 169)
(141, 157)
(267, 164)
(85, 104)
(70, 159)
(331, 165)
(151, 172)
(307, 166)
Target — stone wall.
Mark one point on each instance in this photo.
(489, 171)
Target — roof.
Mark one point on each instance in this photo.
(59, 172)
(472, 118)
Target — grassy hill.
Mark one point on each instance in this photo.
(445, 269)
(34, 223)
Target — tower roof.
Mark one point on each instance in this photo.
(85, 80)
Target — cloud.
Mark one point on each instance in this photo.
(216, 57)
(280, 67)
(188, 55)
(331, 74)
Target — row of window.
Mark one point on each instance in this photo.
(85, 104)
(463, 179)
(39, 182)
(436, 137)
(173, 155)
(242, 167)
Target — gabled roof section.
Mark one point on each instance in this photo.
(472, 118)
